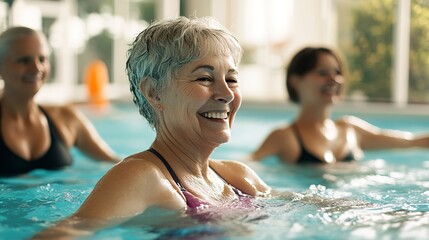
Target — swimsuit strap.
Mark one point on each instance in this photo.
(305, 155)
(192, 201)
(173, 174)
(170, 170)
(51, 126)
(298, 136)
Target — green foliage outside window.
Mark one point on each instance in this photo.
(370, 53)
(419, 52)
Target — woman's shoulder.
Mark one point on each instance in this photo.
(139, 163)
(229, 165)
(65, 111)
(282, 131)
(138, 183)
(284, 128)
(352, 121)
(240, 176)
(232, 167)
(68, 121)
(136, 170)
(232, 171)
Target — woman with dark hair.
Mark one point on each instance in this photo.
(314, 80)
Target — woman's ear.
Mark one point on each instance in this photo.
(294, 81)
(146, 88)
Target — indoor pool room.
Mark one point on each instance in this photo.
(331, 140)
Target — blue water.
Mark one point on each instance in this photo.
(384, 196)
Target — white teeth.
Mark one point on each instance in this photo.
(217, 115)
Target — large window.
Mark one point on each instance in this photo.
(104, 24)
(97, 19)
(3, 15)
(419, 52)
(383, 42)
(369, 41)
(366, 41)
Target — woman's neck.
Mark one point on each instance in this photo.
(314, 115)
(17, 107)
(183, 153)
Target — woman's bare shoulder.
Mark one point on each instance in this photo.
(350, 119)
(135, 170)
(282, 132)
(284, 128)
(139, 163)
(240, 176)
(356, 123)
(228, 165)
(62, 111)
(141, 176)
(232, 167)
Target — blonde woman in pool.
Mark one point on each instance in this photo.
(184, 79)
(34, 136)
(314, 80)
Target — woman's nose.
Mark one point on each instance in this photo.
(337, 78)
(223, 92)
(36, 66)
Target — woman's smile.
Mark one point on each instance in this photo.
(216, 115)
(331, 89)
(32, 78)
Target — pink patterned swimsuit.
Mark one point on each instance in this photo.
(191, 201)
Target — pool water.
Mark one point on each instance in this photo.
(384, 196)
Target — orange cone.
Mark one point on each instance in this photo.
(96, 79)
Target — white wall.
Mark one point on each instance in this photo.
(274, 30)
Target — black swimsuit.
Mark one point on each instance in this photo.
(56, 157)
(306, 157)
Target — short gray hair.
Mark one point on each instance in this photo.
(12, 34)
(167, 45)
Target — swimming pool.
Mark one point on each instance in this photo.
(384, 196)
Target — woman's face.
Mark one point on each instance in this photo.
(321, 85)
(25, 67)
(201, 102)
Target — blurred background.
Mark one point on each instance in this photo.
(385, 43)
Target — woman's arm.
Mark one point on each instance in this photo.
(267, 148)
(272, 145)
(86, 138)
(280, 142)
(242, 177)
(373, 138)
(127, 190)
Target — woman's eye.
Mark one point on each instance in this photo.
(42, 59)
(24, 60)
(326, 72)
(232, 81)
(323, 72)
(204, 79)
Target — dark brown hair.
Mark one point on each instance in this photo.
(303, 62)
